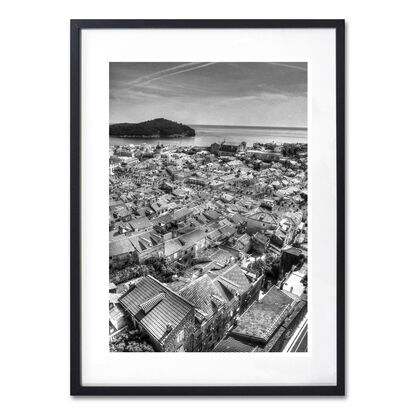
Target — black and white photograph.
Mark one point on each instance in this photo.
(221, 167)
(208, 207)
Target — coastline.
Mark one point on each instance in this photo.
(206, 135)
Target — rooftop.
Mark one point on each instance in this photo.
(230, 344)
(263, 317)
(204, 295)
(120, 247)
(155, 306)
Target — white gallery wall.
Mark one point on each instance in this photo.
(35, 209)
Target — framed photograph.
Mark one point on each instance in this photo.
(208, 196)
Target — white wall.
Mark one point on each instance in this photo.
(35, 109)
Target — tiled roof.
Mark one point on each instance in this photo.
(140, 223)
(227, 230)
(114, 298)
(236, 218)
(178, 214)
(211, 214)
(119, 247)
(221, 257)
(230, 344)
(204, 295)
(263, 318)
(168, 311)
(163, 219)
(152, 302)
(263, 217)
(116, 314)
(145, 241)
(235, 275)
(172, 246)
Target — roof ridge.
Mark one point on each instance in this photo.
(194, 281)
(171, 291)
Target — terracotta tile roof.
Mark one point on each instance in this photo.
(167, 311)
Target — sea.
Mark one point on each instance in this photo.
(208, 134)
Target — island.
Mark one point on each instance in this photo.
(157, 128)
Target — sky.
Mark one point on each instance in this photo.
(213, 93)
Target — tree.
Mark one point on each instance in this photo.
(269, 266)
(130, 341)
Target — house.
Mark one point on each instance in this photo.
(211, 312)
(142, 224)
(121, 251)
(243, 286)
(161, 314)
(260, 221)
(121, 212)
(181, 214)
(260, 325)
(117, 318)
(227, 148)
(263, 318)
(159, 207)
(173, 249)
(294, 283)
(147, 245)
(267, 156)
(243, 243)
(291, 257)
(260, 242)
(199, 181)
(125, 152)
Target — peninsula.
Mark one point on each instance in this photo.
(157, 128)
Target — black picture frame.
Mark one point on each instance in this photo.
(76, 387)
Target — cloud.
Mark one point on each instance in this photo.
(262, 96)
(286, 65)
(167, 73)
(255, 93)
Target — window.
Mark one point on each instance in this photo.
(180, 337)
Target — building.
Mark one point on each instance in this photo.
(260, 221)
(227, 148)
(147, 245)
(266, 156)
(262, 325)
(290, 257)
(294, 283)
(121, 252)
(141, 224)
(260, 242)
(212, 316)
(161, 314)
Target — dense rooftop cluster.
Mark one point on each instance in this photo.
(207, 246)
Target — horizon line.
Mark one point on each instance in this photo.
(252, 126)
(228, 125)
